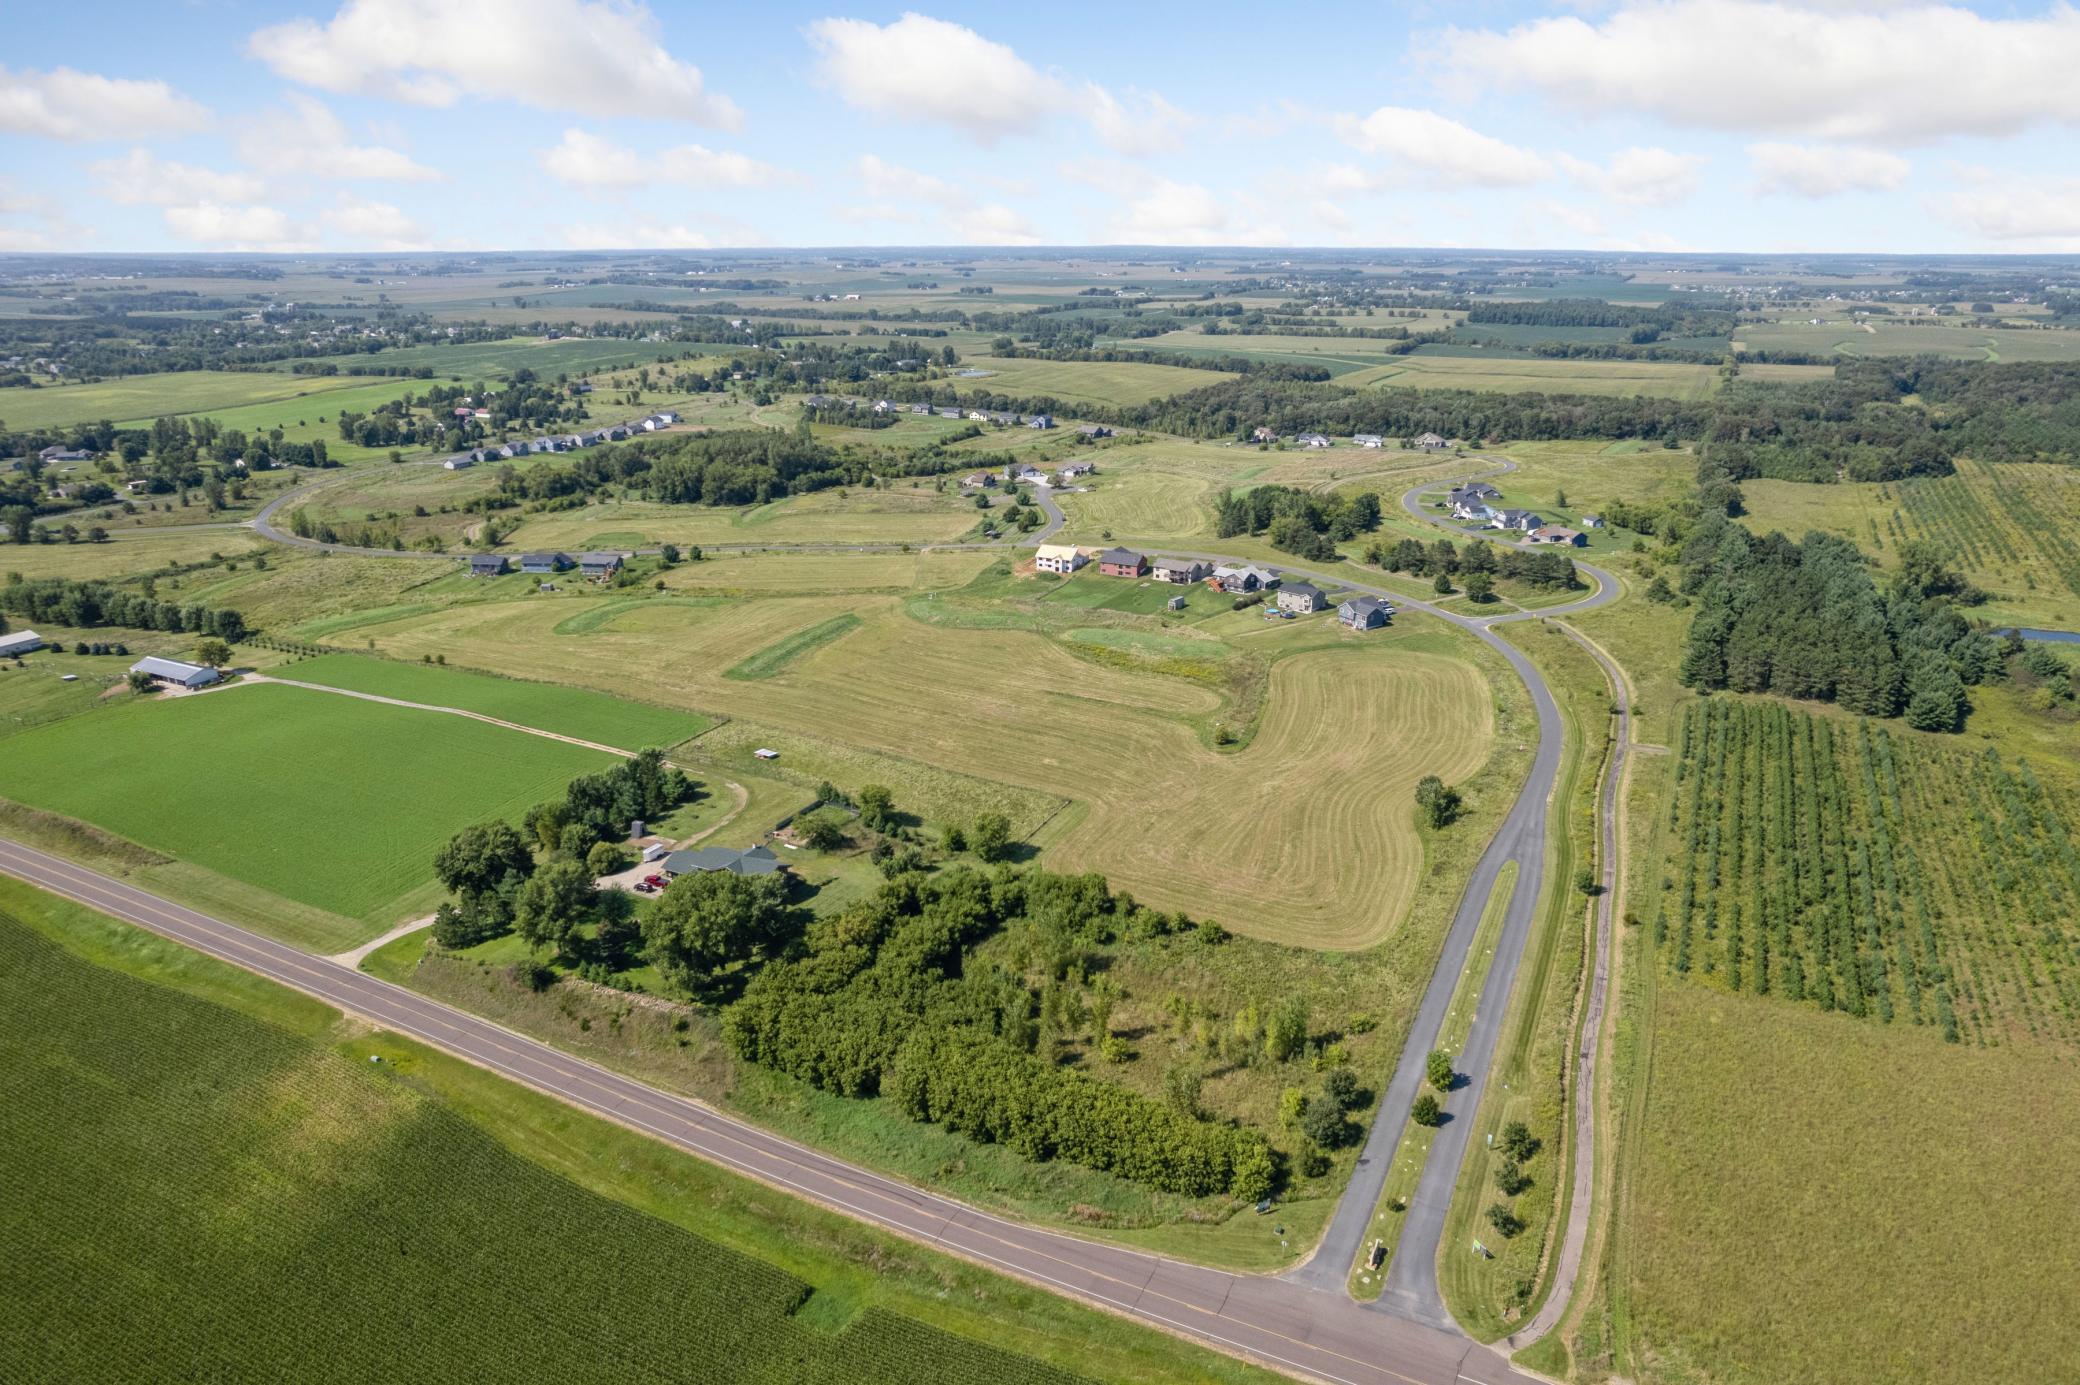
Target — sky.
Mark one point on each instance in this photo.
(1657, 125)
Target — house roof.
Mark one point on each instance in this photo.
(599, 559)
(1180, 564)
(1362, 604)
(1124, 557)
(172, 668)
(493, 561)
(20, 638)
(1058, 552)
(758, 860)
(550, 558)
(1300, 589)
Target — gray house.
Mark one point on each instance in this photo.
(758, 860)
(1301, 598)
(1364, 612)
(488, 565)
(1522, 521)
(598, 567)
(544, 562)
(1183, 571)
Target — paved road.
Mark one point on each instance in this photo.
(1279, 1323)
(1574, 1238)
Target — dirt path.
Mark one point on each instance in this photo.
(353, 957)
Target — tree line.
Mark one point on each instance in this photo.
(62, 601)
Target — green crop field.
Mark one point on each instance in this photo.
(1510, 374)
(333, 802)
(204, 1187)
(242, 399)
(548, 359)
(1838, 864)
(1088, 382)
(1923, 337)
(589, 716)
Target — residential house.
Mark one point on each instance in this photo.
(1003, 419)
(1301, 598)
(1364, 612)
(598, 567)
(19, 643)
(509, 450)
(1263, 435)
(64, 454)
(461, 461)
(1122, 562)
(1094, 430)
(1477, 510)
(1475, 490)
(978, 416)
(1074, 470)
(1239, 579)
(1558, 534)
(172, 673)
(1183, 571)
(1058, 557)
(884, 406)
(1311, 440)
(1040, 421)
(975, 479)
(757, 860)
(945, 412)
(570, 442)
(1365, 440)
(1030, 474)
(1592, 521)
(540, 445)
(924, 409)
(541, 563)
(667, 417)
(1430, 442)
(488, 565)
(1520, 521)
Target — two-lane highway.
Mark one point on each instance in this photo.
(1278, 1323)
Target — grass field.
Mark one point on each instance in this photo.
(1927, 338)
(898, 513)
(2007, 527)
(987, 693)
(166, 1112)
(545, 706)
(1088, 382)
(1821, 1200)
(135, 400)
(332, 802)
(548, 359)
(776, 656)
(129, 551)
(1512, 374)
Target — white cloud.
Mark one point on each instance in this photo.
(1141, 125)
(892, 186)
(2005, 207)
(221, 226)
(636, 235)
(927, 70)
(1823, 170)
(65, 104)
(1441, 147)
(993, 224)
(141, 179)
(375, 226)
(26, 240)
(584, 159)
(1905, 73)
(309, 139)
(1580, 220)
(594, 57)
(884, 179)
(1640, 176)
(1173, 213)
(1106, 175)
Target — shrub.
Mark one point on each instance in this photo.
(1439, 1066)
(1426, 1111)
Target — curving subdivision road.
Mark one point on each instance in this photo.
(1303, 1323)
(1278, 1323)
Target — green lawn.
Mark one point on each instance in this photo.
(576, 712)
(332, 802)
(776, 656)
(202, 1186)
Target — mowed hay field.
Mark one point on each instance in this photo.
(1088, 382)
(333, 802)
(198, 1194)
(888, 514)
(1512, 374)
(1821, 1199)
(1322, 798)
(130, 551)
(1140, 501)
(1307, 836)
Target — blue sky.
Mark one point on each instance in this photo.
(467, 124)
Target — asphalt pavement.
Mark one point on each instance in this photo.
(1276, 1322)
